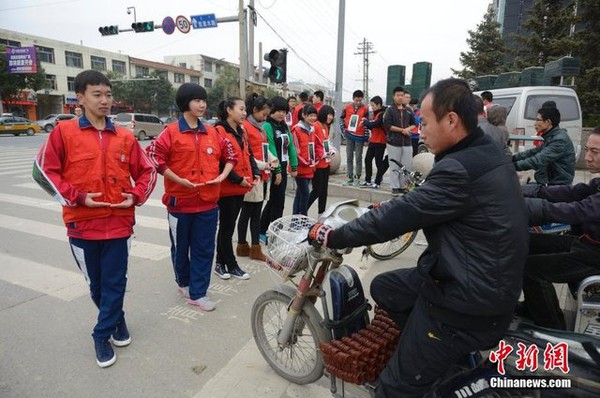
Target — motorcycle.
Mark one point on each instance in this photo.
(344, 343)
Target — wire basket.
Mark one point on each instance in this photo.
(287, 248)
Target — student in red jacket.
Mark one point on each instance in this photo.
(189, 153)
(88, 165)
(320, 180)
(308, 152)
(377, 143)
(259, 108)
(242, 178)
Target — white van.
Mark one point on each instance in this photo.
(524, 102)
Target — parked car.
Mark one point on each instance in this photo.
(142, 125)
(168, 119)
(49, 122)
(17, 125)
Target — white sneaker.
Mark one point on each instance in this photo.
(204, 303)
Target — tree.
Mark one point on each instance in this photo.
(547, 34)
(149, 95)
(487, 50)
(588, 83)
(12, 83)
(227, 85)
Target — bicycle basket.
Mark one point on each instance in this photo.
(287, 248)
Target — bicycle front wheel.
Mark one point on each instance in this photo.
(390, 249)
(299, 360)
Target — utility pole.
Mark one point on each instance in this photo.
(365, 48)
(339, 72)
(251, 25)
(243, 49)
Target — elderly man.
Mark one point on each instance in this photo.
(562, 258)
(554, 160)
(461, 295)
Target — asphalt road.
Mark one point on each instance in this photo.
(46, 315)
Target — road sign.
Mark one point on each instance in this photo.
(183, 24)
(168, 25)
(204, 21)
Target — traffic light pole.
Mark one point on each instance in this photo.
(339, 73)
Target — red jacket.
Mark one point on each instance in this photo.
(194, 155)
(303, 140)
(242, 168)
(322, 139)
(78, 159)
(378, 135)
(257, 139)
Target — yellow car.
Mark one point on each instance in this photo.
(16, 125)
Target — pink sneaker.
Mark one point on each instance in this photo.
(184, 291)
(204, 303)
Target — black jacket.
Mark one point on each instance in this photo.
(475, 220)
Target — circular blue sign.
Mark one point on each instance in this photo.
(168, 25)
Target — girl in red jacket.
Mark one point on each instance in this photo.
(242, 178)
(320, 180)
(308, 152)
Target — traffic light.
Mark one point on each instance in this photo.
(109, 30)
(139, 27)
(278, 70)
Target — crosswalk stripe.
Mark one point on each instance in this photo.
(55, 282)
(148, 251)
(143, 221)
(149, 202)
(22, 169)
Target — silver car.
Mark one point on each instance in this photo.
(49, 122)
(142, 125)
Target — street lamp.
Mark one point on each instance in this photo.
(129, 13)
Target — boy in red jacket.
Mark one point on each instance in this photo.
(88, 164)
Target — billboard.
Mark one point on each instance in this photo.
(21, 59)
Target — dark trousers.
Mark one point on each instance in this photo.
(555, 259)
(229, 209)
(415, 146)
(301, 199)
(193, 248)
(104, 266)
(250, 213)
(427, 347)
(375, 151)
(320, 182)
(274, 207)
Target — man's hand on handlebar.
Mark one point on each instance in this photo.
(317, 235)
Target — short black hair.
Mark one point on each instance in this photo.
(90, 78)
(319, 94)
(398, 89)
(454, 95)
(358, 94)
(551, 114)
(255, 101)
(596, 130)
(478, 104)
(303, 96)
(549, 104)
(306, 110)
(292, 97)
(323, 112)
(377, 100)
(279, 104)
(488, 96)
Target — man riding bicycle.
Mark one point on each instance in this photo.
(461, 295)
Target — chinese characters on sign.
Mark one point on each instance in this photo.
(555, 357)
(204, 21)
(21, 60)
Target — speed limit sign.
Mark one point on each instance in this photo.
(183, 24)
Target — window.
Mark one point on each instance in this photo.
(506, 102)
(10, 43)
(51, 82)
(74, 59)
(163, 74)
(178, 78)
(98, 63)
(208, 67)
(45, 54)
(194, 79)
(119, 67)
(183, 65)
(208, 83)
(567, 106)
(141, 71)
(70, 83)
